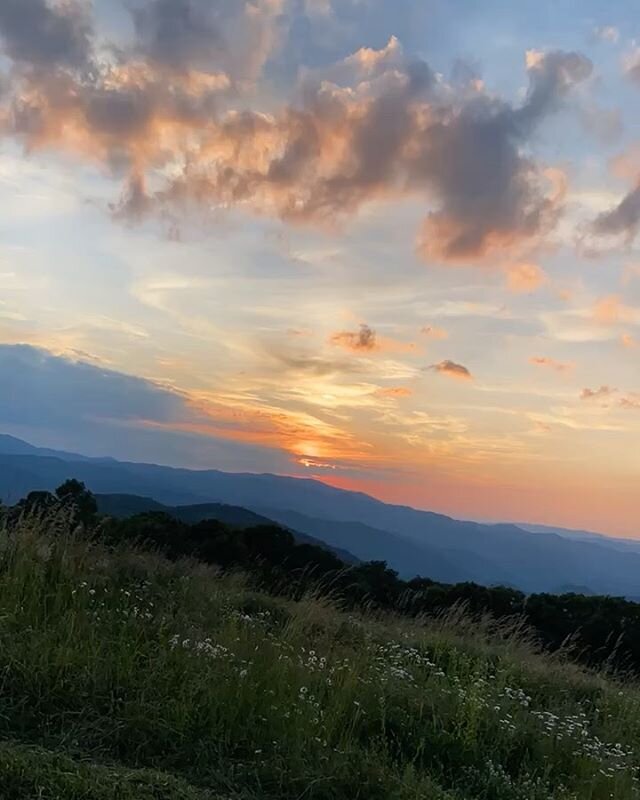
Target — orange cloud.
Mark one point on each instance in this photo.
(551, 363)
(302, 435)
(362, 340)
(631, 402)
(628, 340)
(603, 393)
(433, 332)
(524, 278)
(608, 310)
(367, 340)
(452, 370)
(611, 310)
(398, 392)
(164, 107)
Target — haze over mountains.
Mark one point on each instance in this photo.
(413, 542)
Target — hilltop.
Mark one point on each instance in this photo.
(128, 676)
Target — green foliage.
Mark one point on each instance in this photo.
(33, 772)
(75, 492)
(127, 675)
(598, 631)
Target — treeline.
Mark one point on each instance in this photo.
(601, 631)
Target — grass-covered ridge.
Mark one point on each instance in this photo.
(124, 675)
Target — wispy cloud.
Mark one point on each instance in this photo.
(434, 332)
(525, 278)
(452, 370)
(551, 363)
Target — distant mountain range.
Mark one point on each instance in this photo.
(413, 542)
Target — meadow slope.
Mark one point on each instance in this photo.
(124, 675)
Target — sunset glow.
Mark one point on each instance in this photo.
(391, 246)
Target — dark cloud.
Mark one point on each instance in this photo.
(386, 128)
(551, 76)
(323, 159)
(79, 406)
(127, 116)
(492, 196)
(40, 388)
(45, 34)
(452, 370)
(235, 36)
(180, 33)
(364, 339)
(632, 66)
(622, 220)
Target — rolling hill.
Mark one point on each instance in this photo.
(412, 541)
(126, 505)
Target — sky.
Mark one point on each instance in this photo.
(388, 245)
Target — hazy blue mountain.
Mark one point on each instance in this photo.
(372, 544)
(627, 545)
(126, 505)
(486, 553)
(9, 445)
(122, 506)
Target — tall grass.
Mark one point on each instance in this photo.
(123, 675)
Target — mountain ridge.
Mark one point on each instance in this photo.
(488, 554)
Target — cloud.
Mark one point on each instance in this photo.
(134, 418)
(397, 134)
(494, 199)
(623, 219)
(551, 363)
(629, 401)
(362, 340)
(367, 340)
(433, 332)
(628, 340)
(171, 113)
(631, 65)
(394, 392)
(525, 278)
(308, 364)
(540, 428)
(234, 36)
(607, 310)
(603, 393)
(606, 124)
(607, 33)
(610, 310)
(45, 34)
(452, 370)
(43, 389)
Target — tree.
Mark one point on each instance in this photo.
(77, 494)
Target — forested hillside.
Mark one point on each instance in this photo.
(599, 631)
(133, 674)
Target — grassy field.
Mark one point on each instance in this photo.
(125, 677)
